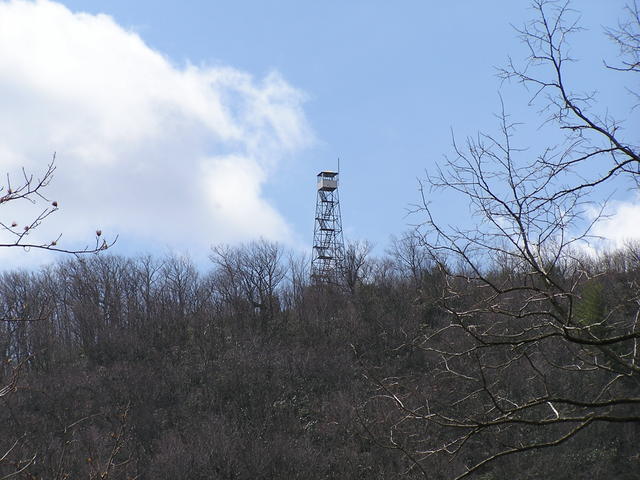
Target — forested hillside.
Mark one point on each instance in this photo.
(143, 368)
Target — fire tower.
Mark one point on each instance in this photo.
(328, 242)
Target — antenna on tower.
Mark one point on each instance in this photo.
(328, 242)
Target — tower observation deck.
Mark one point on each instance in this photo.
(328, 242)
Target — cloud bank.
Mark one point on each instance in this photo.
(620, 225)
(159, 154)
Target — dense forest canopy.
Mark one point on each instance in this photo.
(503, 350)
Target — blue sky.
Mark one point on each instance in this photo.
(379, 84)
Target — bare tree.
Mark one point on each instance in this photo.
(593, 136)
(531, 352)
(31, 188)
(411, 258)
(355, 266)
(248, 277)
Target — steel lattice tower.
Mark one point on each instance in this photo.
(328, 242)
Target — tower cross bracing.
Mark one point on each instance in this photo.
(328, 242)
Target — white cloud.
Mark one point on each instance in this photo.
(620, 225)
(164, 156)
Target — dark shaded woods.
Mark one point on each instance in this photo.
(144, 368)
